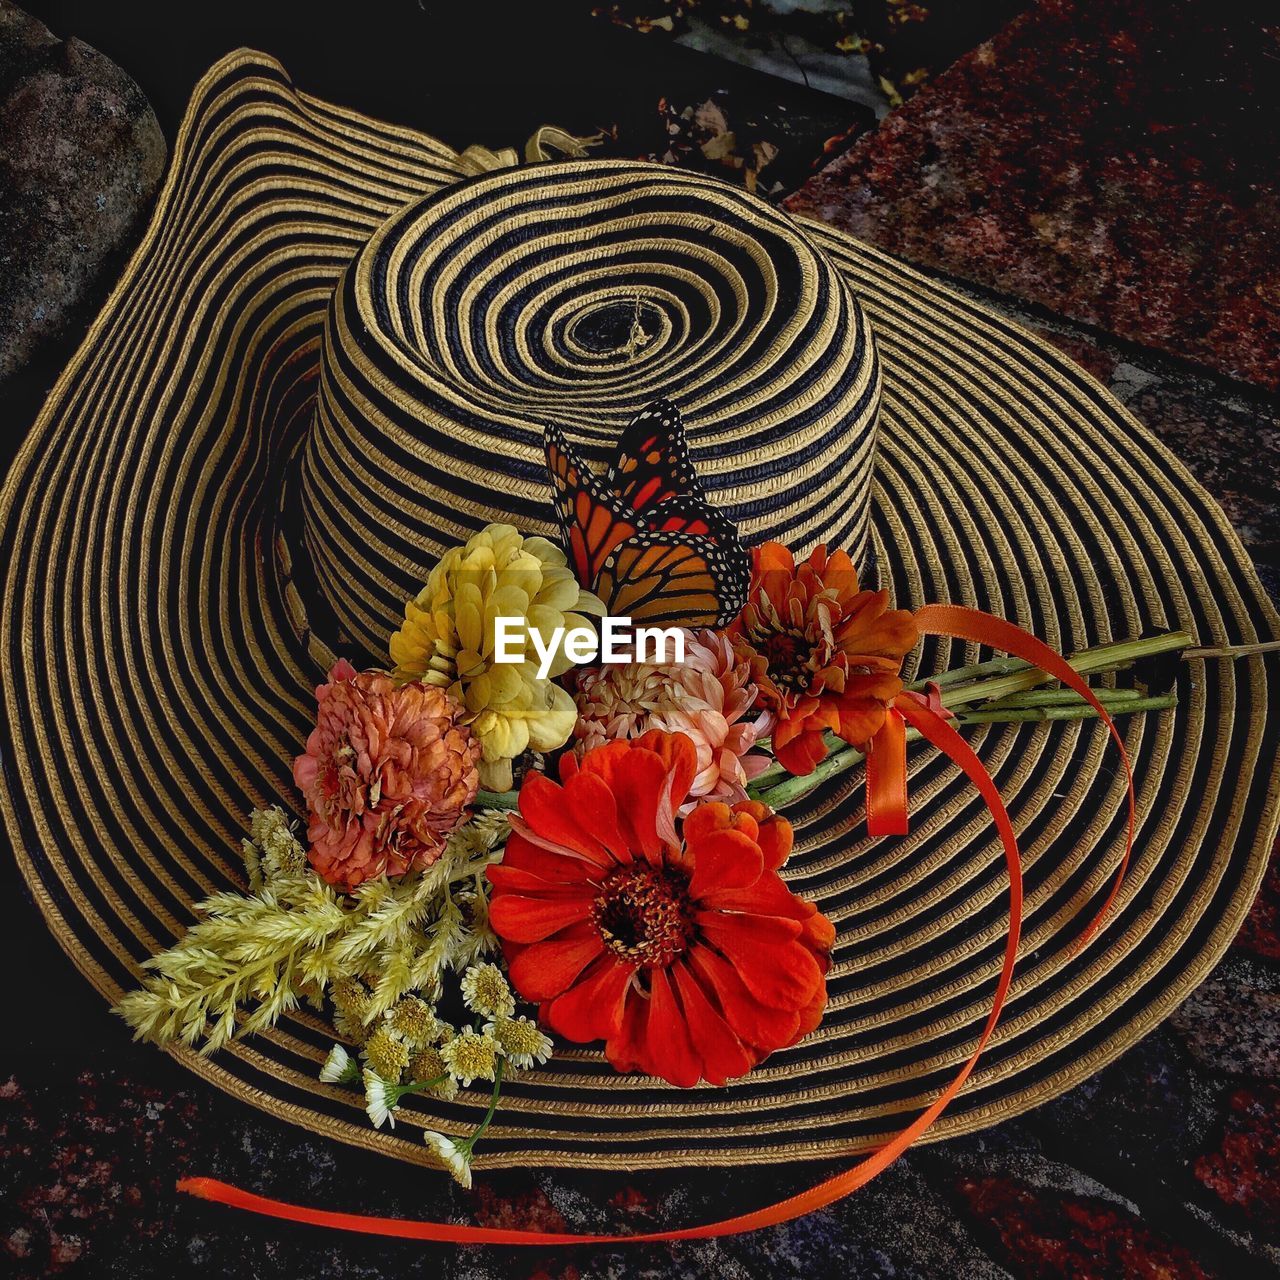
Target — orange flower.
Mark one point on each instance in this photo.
(676, 943)
(388, 773)
(824, 654)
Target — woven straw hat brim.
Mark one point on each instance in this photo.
(158, 671)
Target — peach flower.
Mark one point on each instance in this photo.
(388, 773)
(708, 697)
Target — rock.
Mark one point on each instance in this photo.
(1113, 162)
(1231, 1026)
(81, 155)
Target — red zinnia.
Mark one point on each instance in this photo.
(676, 943)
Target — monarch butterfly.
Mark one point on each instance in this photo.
(644, 538)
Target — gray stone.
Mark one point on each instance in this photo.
(1232, 1028)
(81, 155)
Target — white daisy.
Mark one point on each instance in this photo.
(456, 1159)
(485, 990)
(380, 1099)
(521, 1041)
(338, 1067)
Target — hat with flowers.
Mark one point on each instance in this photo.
(272, 789)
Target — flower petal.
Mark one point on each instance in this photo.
(549, 864)
(547, 969)
(523, 879)
(592, 1008)
(637, 779)
(519, 918)
(596, 811)
(780, 975)
(724, 860)
(678, 755)
(670, 1050)
(801, 753)
(776, 835)
(543, 806)
(723, 1055)
(754, 1023)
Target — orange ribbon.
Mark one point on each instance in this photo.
(888, 803)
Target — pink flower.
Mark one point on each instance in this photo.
(387, 774)
(709, 697)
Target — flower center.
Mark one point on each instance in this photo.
(644, 915)
(788, 654)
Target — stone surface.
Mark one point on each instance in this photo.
(1243, 1171)
(81, 155)
(1113, 161)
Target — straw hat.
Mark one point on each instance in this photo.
(332, 356)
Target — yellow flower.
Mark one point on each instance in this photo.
(414, 1021)
(521, 1042)
(429, 1064)
(449, 639)
(485, 990)
(386, 1054)
(471, 1056)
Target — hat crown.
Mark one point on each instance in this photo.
(576, 294)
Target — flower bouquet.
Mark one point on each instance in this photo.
(503, 848)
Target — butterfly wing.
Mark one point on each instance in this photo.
(593, 521)
(653, 463)
(689, 515)
(644, 538)
(675, 579)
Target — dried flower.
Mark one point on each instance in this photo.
(386, 1053)
(482, 834)
(521, 1041)
(825, 654)
(427, 1065)
(272, 850)
(388, 773)
(678, 944)
(338, 1067)
(448, 639)
(456, 1157)
(471, 1055)
(414, 1021)
(380, 1099)
(351, 996)
(485, 991)
(252, 957)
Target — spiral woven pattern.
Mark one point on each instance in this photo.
(577, 294)
(167, 530)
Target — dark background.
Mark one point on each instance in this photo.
(1165, 1164)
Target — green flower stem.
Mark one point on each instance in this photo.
(998, 677)
(843, 758)
(1006, 685)
(470, 1143)
(1063, 697)
(1079, 710)
(417, 1086)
